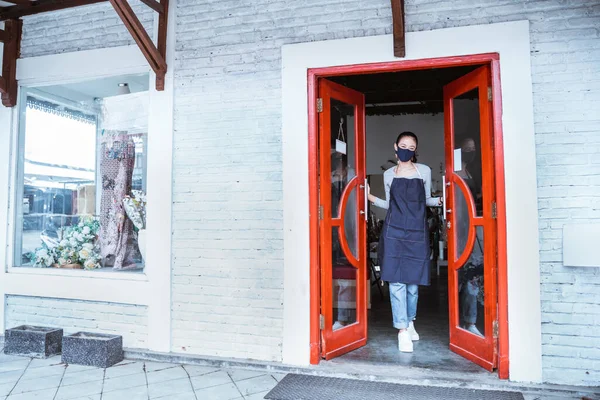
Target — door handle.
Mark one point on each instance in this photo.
(364, 188)
(366, 200)
(444, 196)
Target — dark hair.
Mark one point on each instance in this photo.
(410, 135)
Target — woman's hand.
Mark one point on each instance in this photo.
(370, 197)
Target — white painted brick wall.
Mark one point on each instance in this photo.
(81, 28)
(227, 211)
(227, 157)
(130, 321)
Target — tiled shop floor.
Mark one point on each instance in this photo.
(49, 379)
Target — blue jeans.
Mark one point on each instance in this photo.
(404, 303)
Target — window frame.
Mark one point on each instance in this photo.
(19, 184)
(61, 69)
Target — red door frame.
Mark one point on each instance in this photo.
(480, 350)
(353, 336)
(314, 74)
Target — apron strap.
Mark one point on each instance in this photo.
(419, 172)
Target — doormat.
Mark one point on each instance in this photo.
(306, 387)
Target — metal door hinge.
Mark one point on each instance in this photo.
(319, 105)
(320, 212)
(321, 321)
(489, 93)
(495, 329)
(494, 210)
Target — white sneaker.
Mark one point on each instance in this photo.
(405, 345)
(337, 325)
(413, 332)
(473, 329)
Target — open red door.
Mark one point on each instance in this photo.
(470, 218)
(342, 219)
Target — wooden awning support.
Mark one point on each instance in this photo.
(156, 55)
(11, 36)
(398, 28)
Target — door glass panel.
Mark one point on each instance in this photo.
(343, 170)
(467, 165)
(470, 289)
(467, 144)
(344, 287)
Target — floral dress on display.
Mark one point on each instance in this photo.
(116, 237)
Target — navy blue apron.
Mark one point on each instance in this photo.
(404, 241)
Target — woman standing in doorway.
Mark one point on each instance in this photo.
(404, 245)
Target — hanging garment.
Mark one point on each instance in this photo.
(116, 230)
(404, 241)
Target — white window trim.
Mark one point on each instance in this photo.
(511, 41)
(153, 287)
(74, 70)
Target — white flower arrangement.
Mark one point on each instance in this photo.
(77, 246)
(43, 257)
(135, 207)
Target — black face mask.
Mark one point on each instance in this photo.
(405, 155)
(467, 156)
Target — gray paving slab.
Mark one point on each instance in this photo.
(40, 379)
(256, 385)
(227, 391)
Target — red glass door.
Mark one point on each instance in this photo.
(342, 219)
(470, 218)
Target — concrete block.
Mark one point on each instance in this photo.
(94, 349)
(33, 341)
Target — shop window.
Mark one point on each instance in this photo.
(81, 175)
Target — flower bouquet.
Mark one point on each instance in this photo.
(76, 250)
(135, 207)
(43, 257)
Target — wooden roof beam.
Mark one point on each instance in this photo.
(156, 55)
(12, 45)
(399, 28)
(10, 36)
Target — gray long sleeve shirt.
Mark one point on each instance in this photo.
(424, 172)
